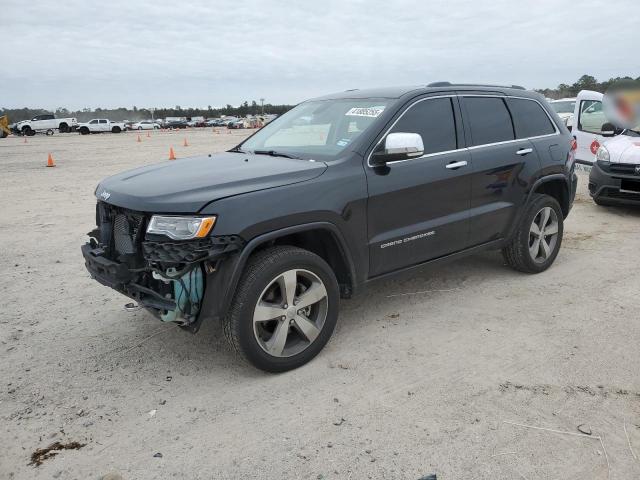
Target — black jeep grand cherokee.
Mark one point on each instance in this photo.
(338, 192)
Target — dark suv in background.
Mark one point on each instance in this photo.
(340, 191)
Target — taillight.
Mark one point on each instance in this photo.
(574, 144)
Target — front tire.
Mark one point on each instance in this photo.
(284, 310)
(537, 241)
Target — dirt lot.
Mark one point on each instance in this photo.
(411, 384)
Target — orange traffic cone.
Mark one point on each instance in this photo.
(138, 139)
(50, 162)
(172, 155)
(185, 144)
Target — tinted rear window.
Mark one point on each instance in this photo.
(529, 119)
(488, 119)
(433, 119)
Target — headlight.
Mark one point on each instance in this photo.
(602, 155)
(181, 228)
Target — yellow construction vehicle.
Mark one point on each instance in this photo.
(4, 126)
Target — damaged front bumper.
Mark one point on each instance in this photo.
(175, 280)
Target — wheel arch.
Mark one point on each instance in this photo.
(321, 238)
(555, 186)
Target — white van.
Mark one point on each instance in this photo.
(588, 119)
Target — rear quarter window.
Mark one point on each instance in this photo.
(529, 118)
(488, 119)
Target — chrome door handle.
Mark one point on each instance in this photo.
(455, 165)
(524, 151)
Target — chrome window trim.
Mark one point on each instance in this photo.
(473, 147)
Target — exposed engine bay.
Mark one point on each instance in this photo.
(167, 277)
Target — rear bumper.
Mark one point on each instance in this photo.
(609, 186)
(574, 188)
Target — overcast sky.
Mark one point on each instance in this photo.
(79, 53)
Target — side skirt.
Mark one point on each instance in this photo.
(407, 271)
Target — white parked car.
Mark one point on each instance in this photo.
(145, 125)
(564, 107)
(100, 125)
(615, 176)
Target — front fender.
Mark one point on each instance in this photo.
(221, 284)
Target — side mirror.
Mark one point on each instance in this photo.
(398, 146)
(608, 130)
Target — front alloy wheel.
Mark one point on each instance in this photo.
(284, 309)
(290, 313)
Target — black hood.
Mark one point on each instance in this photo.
(188, 184)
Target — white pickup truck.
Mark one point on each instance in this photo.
(100, 125)
(45, 123)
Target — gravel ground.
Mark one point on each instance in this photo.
(423, 374)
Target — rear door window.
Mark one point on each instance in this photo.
(488, 119)
(434, 120)
(529, 118)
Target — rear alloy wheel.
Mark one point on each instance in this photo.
(543, 235)
(536, 243)
(284, 310)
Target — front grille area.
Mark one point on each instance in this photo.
(624, 168)
(126, 228)
(121, 230)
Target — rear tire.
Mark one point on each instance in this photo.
(63, 128)
(536, 242)
(116, 130)
(254, 334)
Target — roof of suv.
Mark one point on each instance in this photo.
(397, 92)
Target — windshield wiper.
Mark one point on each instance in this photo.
(237, 149)
(273, 153)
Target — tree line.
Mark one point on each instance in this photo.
(585, 82)
(136, 114)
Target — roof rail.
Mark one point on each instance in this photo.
(449, 84)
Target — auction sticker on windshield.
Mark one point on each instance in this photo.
(365, 111)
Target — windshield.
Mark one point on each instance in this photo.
(317, 129)
(564, 107)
